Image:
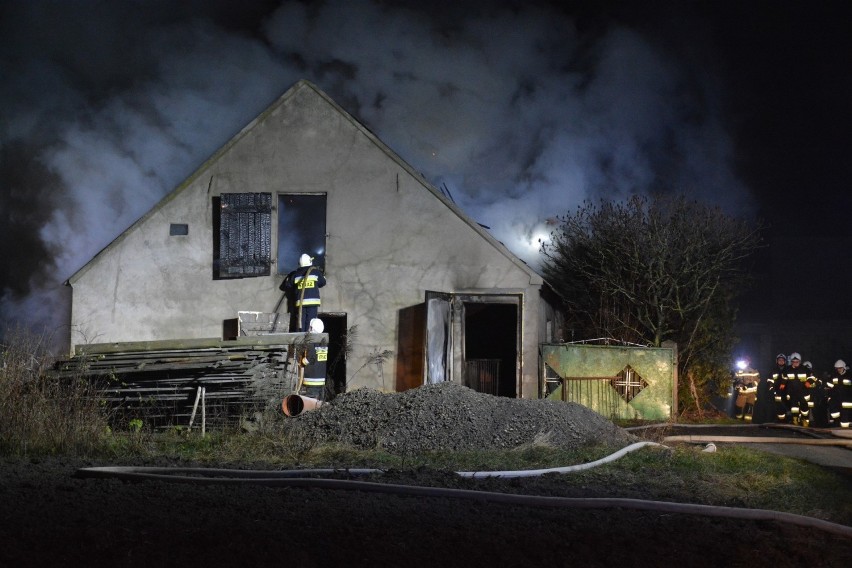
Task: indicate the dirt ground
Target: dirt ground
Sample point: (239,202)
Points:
(52,518)
(49,516)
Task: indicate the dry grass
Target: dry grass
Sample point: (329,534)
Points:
(40,414)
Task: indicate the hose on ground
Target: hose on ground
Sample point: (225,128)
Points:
(305,478)
(566,469)
(818,439)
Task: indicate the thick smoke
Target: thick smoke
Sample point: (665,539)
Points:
(520,115)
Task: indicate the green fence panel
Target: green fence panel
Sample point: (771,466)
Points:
(615,381)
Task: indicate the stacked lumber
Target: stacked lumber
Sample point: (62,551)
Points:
(160,383)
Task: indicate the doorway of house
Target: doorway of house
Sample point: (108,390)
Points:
(490,331)
(475,340)
(335,327)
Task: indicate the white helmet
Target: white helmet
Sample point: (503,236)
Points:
(840,364)
(305,260)
(808,365)
(316,326)
(794,356)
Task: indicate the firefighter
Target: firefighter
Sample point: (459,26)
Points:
(839,390)
(746,389)
(813,398)
(778,388)
(797,406)
(314,360)
(763,403)
(302,285)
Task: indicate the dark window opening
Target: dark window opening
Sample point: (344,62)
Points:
(244,231)
(178,229)
(301,229)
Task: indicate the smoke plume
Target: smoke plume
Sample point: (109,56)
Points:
(515,109)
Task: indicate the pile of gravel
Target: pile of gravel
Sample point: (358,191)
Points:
(448,416)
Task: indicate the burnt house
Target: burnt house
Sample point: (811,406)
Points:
(418,292)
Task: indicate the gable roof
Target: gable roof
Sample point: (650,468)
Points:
(535,278)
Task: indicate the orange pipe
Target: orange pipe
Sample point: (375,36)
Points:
(295,404)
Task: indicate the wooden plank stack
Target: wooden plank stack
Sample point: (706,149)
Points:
(159,382)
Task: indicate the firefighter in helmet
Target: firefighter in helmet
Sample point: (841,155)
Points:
(302,286)
(313,360)
(778,386)
(812,397)
(839,391)
(797,405)
(746,380)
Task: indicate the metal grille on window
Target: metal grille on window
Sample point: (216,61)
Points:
(245,240)
(628,383)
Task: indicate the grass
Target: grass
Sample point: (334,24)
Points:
(43,416)
(734,476)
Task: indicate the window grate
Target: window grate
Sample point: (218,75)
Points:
(628,383)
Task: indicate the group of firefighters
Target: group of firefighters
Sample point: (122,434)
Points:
(793,394)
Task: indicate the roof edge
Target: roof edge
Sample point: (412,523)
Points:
(192,177)
(535,278)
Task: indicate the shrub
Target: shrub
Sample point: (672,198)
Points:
(41,413)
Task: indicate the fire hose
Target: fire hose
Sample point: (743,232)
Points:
(306,478)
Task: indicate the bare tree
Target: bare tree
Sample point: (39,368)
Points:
(650,270)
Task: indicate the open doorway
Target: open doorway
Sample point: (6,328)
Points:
(335,326)
(491,346)
(473,339)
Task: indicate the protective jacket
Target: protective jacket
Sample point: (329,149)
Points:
(304,283)
(816,395)
(314,359)
(797,404)
(764,405)
(839,391)
(778,385)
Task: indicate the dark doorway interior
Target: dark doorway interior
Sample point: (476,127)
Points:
(335,327)
(491,341)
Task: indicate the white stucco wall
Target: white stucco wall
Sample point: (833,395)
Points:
(390,238)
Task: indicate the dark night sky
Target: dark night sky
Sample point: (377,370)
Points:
(789,73)
(523,109)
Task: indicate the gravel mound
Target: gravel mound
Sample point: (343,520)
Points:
(448,416)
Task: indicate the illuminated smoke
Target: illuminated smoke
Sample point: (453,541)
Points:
(520,115)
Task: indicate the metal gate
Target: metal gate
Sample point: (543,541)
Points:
(626,382)
(482,375)
(594,392)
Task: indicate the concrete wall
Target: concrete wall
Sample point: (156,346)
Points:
(390,238)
